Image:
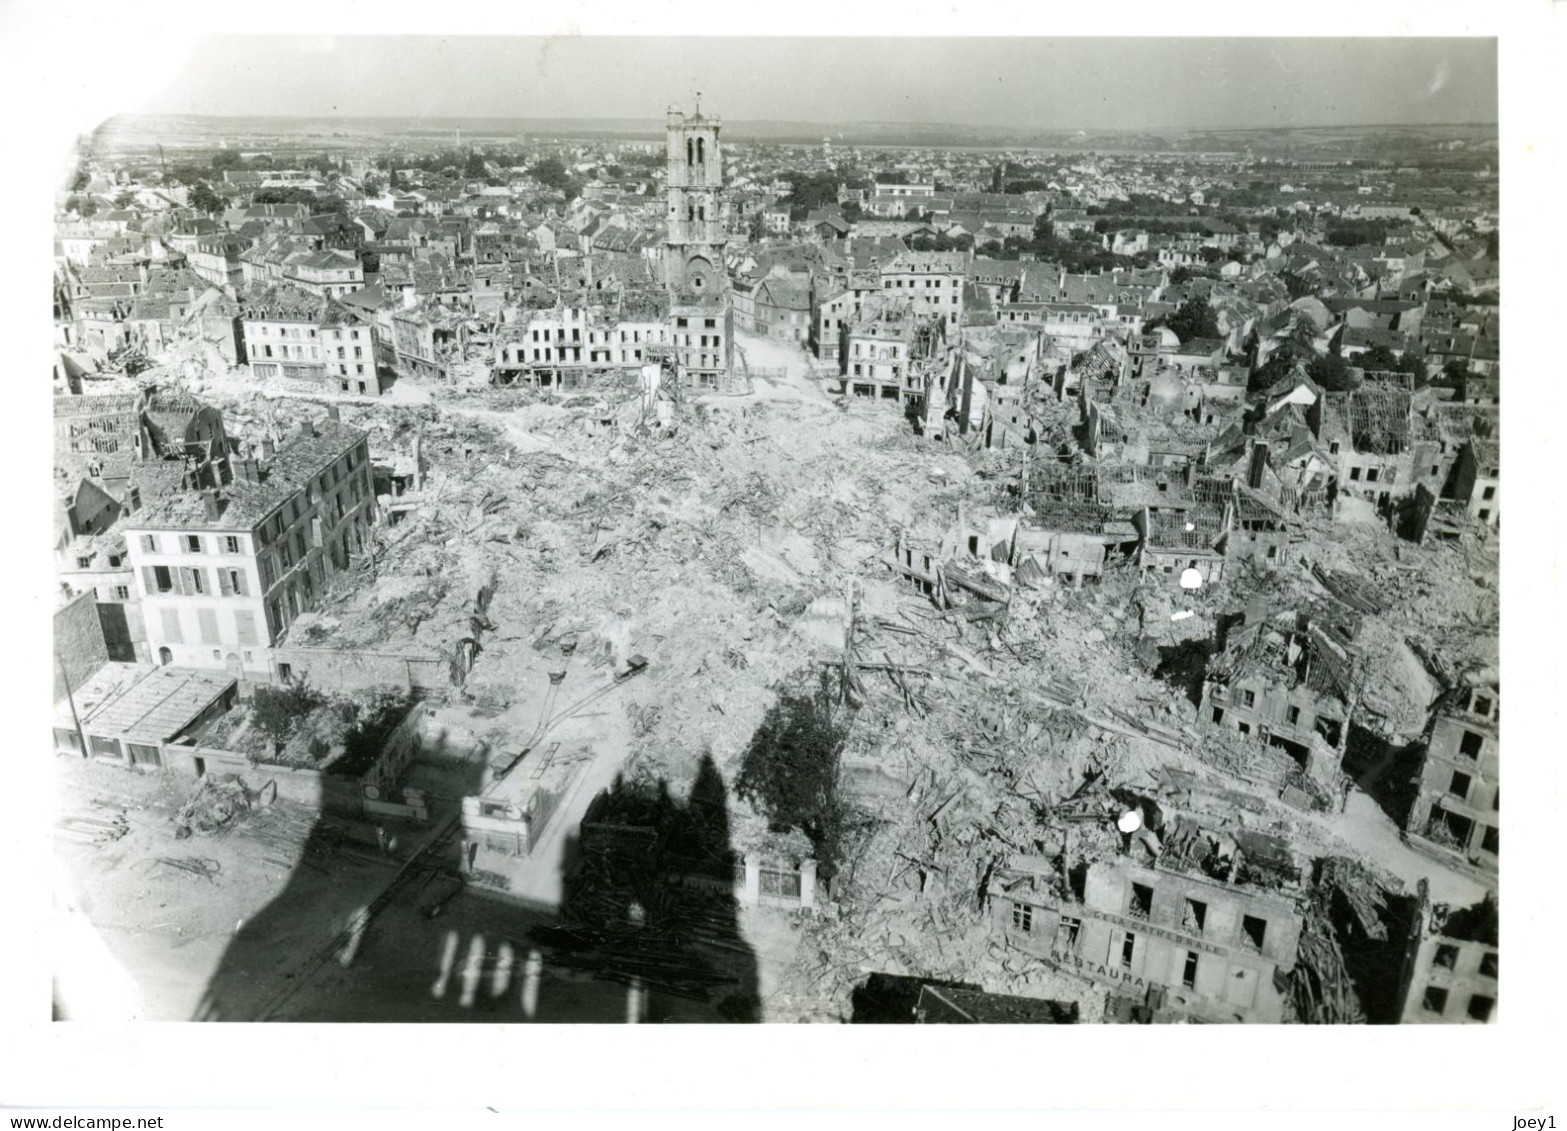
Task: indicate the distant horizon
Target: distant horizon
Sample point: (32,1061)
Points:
(657,120)
(1016,83)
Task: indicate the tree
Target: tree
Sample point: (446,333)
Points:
(277,711)
(1193,319)
(79,181)
(226,159)
(551,173)
(809,191)
(474,166)
(373,184)
(790,768)
(1332,373)
(203,199)
(1491,245)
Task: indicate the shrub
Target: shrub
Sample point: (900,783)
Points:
(277,711)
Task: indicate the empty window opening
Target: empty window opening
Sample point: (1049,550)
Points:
(1446,957)
(1196,917)
(1435,999)
(1471,744)
(1126,949)
(1459,786)
(1142,901)
(1253,931)
(1189,973)
(1070,930)
(1488,964)
(1491,841)
(1480,1007)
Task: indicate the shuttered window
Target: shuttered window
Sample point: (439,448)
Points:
(171,626)
(207,622)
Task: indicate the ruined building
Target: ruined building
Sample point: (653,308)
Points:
(1458,796)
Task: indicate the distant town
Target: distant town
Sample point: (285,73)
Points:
(666,572)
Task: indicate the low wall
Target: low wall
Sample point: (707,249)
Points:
(761,884)
(343,670)
(316,789)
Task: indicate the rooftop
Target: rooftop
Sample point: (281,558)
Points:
(154,708)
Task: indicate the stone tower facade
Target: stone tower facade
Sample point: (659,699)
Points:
(695,263)
(701,319)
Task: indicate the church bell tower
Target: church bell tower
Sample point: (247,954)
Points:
(694,263)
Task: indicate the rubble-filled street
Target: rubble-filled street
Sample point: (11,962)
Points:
(687,580)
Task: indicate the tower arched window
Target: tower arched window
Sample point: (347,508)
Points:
(701,151)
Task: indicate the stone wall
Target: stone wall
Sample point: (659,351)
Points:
(78,643)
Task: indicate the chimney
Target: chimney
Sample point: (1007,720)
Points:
(1258,465)
(212,504)
(268,447)
(332,413)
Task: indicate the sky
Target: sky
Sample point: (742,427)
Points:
(1025,82)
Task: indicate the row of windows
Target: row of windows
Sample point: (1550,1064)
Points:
(1071,930)
(193,581)
(173,630)
(193,543)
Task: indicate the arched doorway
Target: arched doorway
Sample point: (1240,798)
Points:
(165,657)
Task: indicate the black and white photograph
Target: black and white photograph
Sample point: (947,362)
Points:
(790,528)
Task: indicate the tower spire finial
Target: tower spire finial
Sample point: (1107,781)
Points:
(698,104)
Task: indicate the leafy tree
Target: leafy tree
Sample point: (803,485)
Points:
(551,173)
(278,711)
(1352,233)
(373,184)
(1212,254)
(790,768)
(474,166)
(285,196)
(810,190)
(79,181)
(1332,373)
(185,173)
(226,159)
(1194,318)
(203,199)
